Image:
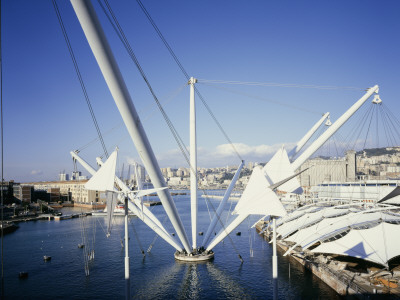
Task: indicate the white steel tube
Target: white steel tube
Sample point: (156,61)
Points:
(127,277)
(224,233)
(274,261)
(193,164)
(116,84)
(333,128)
(222,205)
(146,219)
(274,256)
(308,135)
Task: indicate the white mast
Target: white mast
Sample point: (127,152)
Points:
(308,135)
(104,180)
(274,261)
(113,77)
(193,163)
(333,128)
(127,279)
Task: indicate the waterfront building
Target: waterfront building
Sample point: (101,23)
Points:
(23,193)
(327,170)
(368,191)
(73,190)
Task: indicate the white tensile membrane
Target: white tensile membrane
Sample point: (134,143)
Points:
(280,168)
(104,178)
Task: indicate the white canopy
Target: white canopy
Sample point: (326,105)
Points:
(377,244)
(338,226)
(328,220)
(103,179)
(279,168)
(258,198)
(297,214)
(312,216)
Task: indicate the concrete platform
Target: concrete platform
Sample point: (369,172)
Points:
(199,257)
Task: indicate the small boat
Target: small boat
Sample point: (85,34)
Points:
(119,210)
(81,245)
(46,258)
(23,274)
(8,227)
(238,233)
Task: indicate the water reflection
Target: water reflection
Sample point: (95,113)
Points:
(231,287)
(159,286)
(191,281)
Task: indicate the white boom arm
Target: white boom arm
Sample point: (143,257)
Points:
(333,128)
(308,135)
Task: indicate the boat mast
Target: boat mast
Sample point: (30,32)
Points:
(333,128)
(116,84)
(193,163)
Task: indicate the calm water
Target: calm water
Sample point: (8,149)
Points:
(158,275)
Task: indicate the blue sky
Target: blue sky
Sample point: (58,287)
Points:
(335,43)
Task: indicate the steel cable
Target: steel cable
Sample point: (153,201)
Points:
(78,73)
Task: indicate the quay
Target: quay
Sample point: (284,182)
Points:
(46,217)
(220,195)
(334,273)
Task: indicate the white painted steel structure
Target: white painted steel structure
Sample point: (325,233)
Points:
(193,164)
(104,180)
(274,261)
(308,135)
(113,77)
(256,199)
(221,206)
(148,218)
(333,128)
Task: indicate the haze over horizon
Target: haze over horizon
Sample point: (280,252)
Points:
(338,44)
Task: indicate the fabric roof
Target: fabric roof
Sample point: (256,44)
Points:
(344,223)
(377,244)
(280,168)
(302,234)
(312,216)
(103,179)
(258,198)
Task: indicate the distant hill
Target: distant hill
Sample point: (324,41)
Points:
(379,151)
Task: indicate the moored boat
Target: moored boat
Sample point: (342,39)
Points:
(8,227)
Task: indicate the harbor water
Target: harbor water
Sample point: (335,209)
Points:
(155,276)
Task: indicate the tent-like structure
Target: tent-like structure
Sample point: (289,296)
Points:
(378,244)
(370,234)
